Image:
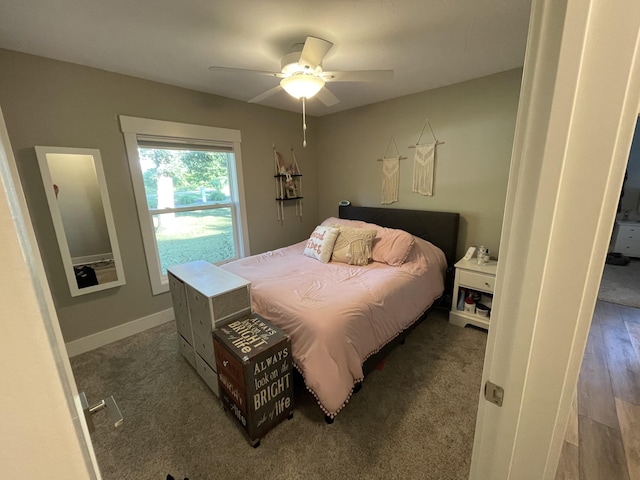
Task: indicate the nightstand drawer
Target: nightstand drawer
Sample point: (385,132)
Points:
(477,281)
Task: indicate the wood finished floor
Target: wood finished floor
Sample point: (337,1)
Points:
(603,436)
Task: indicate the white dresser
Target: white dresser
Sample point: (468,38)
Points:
(204,297)
(626,239)
(479,278)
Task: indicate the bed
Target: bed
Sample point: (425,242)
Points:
(342,317)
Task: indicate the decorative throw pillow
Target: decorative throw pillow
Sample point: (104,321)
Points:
(353,246)
(391,246)
(320,244)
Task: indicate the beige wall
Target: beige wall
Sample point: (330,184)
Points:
(475,119)
(46,102)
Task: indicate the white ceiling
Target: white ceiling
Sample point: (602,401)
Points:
(428,43)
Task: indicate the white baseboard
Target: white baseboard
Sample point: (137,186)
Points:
(91,342)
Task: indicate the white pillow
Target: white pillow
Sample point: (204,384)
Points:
(320,244)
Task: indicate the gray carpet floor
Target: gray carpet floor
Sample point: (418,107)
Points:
(413,419)
(621,284)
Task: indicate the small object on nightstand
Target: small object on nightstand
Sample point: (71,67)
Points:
(483,256)
(470,252)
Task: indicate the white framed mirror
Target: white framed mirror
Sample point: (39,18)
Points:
(78,199)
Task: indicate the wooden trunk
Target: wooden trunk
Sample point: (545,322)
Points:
(254,364)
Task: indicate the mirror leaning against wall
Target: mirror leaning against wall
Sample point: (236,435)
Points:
(76,190)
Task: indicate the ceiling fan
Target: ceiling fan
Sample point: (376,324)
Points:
(303,77)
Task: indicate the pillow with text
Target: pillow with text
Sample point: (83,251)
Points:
(320,243)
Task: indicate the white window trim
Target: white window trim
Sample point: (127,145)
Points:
(131,127)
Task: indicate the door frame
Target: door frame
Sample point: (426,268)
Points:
(576,118)
(41,415)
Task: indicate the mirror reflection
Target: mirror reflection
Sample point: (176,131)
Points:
(81,213)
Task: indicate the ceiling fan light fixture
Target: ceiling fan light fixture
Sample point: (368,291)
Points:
(302,86)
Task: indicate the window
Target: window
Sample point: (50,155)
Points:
(187,181)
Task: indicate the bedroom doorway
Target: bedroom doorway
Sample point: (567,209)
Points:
(608,384)
(621,277)
(561,203)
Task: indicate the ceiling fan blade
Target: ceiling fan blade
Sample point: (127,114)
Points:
(359,76)
(244,70)
(265,95)
(326,97)
(314,51)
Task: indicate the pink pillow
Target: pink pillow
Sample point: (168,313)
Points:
(320,244)
(391,246)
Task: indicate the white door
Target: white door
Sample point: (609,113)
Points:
(42,425)
(579,103)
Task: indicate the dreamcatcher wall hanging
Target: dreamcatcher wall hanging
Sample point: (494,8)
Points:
(390,174)
(424,163)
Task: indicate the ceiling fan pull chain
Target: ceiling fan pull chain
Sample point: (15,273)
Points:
(304,124)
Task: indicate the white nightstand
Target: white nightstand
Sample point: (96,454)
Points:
(481,278)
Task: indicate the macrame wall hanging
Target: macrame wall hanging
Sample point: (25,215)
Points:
(390,174)
(424,163)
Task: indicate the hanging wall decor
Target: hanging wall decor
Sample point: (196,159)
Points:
(288,181)
(424,163)
(390,174)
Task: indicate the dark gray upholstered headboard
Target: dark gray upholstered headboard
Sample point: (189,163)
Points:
(439,228)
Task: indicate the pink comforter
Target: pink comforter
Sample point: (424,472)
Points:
(337,315)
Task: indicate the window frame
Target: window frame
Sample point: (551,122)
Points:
(173,132)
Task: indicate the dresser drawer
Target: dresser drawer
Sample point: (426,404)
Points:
(208,313)
(628,230)
(235,391)
(187,351)
(625,243)
(208,375)
(200,311)
(180,309)
(228,364)
(204,347)
(229,304)
(477,281)
(183,325)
